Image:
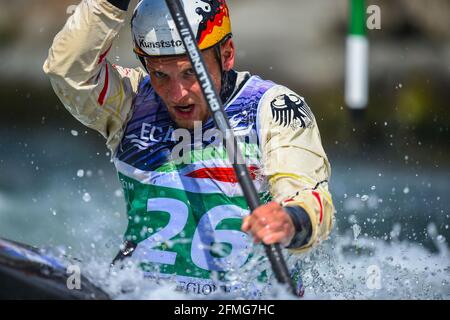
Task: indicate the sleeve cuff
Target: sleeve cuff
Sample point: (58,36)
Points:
(121,4)
(302,224)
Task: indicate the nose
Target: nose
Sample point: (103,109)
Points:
(177,91)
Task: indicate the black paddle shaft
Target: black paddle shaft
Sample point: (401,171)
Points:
(215,105)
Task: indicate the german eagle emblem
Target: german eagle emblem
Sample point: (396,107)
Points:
(290,108)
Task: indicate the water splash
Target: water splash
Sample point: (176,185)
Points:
(341,268)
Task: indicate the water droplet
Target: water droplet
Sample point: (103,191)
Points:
(373,188)
(356,231)
(80,173)
(406,190)
(86,197)
(364,197)
(74,132)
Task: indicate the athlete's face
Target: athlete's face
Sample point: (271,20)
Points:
(174,80)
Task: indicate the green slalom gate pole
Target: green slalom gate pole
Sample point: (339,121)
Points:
(357,57)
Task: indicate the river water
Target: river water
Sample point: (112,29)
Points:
(59,190)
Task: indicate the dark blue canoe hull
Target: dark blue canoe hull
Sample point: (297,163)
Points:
(26,273)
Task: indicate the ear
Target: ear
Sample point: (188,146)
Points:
(227,51)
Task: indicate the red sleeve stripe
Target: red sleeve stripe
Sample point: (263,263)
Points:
(101,97)
(103,55)
(316,194)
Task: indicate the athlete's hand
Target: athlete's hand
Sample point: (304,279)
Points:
(270,224)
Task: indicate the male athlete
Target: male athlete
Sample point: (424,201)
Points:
(188,218)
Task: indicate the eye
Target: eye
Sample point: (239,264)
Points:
(159,75)
(190,72)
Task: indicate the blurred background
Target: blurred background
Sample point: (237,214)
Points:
(390,164)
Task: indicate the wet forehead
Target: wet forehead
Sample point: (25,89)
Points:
(167,62)
(176,61)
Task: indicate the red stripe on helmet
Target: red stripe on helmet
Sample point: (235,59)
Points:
(217,22)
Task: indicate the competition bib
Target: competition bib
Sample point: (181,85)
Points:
(186,233)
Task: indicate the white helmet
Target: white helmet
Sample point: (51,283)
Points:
(155,34)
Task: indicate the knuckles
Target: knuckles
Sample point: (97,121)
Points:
(269,220)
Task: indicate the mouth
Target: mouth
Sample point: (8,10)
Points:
(185,111)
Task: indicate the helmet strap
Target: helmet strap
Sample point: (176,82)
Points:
(223,74)
(143,62)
